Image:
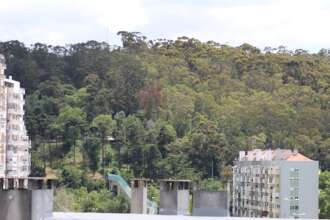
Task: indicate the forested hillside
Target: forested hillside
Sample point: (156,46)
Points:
(164,108)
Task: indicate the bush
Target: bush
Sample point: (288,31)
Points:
(64,200)
(211,185)
(100,201)
(81,200)
(94,184)
(71,177)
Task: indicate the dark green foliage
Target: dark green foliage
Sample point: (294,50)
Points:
(71,177)
(83,200)
(167,134)
(101,201)
(92,147)
(126,77)
(325,195)
(211,185)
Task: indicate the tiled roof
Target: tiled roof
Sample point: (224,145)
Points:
(268,155)
(298,157)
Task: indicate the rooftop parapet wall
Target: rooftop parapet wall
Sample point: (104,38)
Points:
(210,203)
(271,155)
(30,183)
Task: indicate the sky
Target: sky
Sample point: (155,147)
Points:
(293,23)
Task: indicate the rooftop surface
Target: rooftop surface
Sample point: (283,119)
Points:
(174,180)
(298,157)
(268,155)
(107,216)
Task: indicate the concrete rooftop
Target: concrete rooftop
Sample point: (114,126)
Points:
(107,216)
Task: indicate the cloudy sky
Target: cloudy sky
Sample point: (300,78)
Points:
(293,23)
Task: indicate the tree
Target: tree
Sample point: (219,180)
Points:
(135,153)
(103,125)
(167,134)
(87,58)
(207,145)
(119,135)
(126,78)
(325,195)
(92,149)
(71,177)
(179,102)
(72,123)
(132,41)
(150,99)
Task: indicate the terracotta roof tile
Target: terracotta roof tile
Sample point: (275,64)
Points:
(298,157)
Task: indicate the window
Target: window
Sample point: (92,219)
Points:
(8,84)
(294,191)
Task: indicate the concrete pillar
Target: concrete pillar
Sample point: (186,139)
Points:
(174,197)
(42,204)
(139,196)
(15,204)
(26,199)
(210,203)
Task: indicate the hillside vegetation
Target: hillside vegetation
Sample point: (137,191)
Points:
(164,108)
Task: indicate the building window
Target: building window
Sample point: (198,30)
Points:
(294,192)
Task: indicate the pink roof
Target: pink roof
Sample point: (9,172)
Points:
(298,157)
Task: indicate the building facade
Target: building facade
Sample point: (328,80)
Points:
(14,142)
(275,183)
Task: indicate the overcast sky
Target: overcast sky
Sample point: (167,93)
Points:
(293,23)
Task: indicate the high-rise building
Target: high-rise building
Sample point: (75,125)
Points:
(14,142)
(275,183)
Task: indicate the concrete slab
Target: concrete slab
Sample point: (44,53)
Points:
(108,216)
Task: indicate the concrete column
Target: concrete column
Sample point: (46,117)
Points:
(15,204)
(174,197)
(42,204)
(139,196)
(26,199)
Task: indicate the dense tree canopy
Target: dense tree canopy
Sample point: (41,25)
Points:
(169,108)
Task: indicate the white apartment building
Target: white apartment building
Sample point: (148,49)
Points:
(276,184)
(14,142)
